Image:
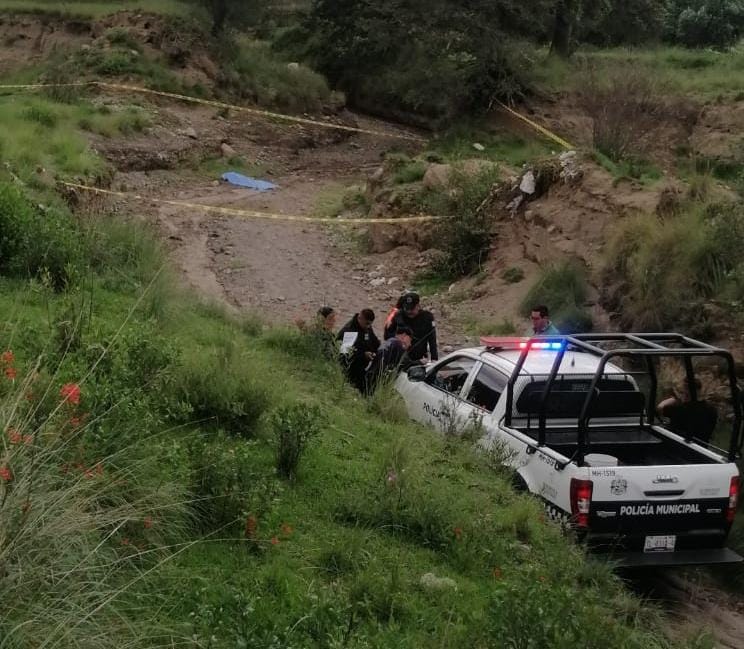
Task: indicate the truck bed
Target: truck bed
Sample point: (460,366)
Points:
(631,445)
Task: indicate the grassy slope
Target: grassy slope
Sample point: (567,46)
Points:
(95,8)
(705,74)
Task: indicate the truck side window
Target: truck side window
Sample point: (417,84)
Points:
(451,376)
(487,388)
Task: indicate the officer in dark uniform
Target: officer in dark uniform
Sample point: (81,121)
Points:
(358,358)
(421,323)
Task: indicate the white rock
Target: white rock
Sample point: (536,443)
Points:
(293,66)
(528,185)
(377,282)
(227,151)
(190,132)
(393,280)
(478,146)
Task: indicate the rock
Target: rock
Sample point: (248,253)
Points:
(191,133)
(227,151)
(451,288)
(437,176)
(373,274)
(528,185)
(430,581)
(478,146)
(293,66)
(281,298)
(393,280)
(447,349)
(377,282)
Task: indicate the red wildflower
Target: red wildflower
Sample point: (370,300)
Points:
(251,524)
(7,357)
(5,473)
(147,522)
(496,573)
(287,529)
(458,533)
(274,540)
(75,421)
(70,392)
(11,373)
(14,436)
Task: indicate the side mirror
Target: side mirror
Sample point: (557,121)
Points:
(417,373)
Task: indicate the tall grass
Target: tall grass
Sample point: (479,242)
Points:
(661,273)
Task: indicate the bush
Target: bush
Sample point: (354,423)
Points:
(222,391)
(513,275)
(36,241)
(628,22)
(659,274)
(466,237)
(294,427)
(563,289)
(705,23)
(254,72)
(624,106)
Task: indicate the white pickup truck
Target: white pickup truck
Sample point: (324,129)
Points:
(582,434)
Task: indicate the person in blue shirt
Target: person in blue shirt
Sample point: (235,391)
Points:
(541,324)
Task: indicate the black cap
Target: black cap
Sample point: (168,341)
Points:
(409,301)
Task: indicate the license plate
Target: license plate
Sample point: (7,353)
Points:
(660,544)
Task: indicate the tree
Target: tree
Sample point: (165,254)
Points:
(705,23)
(433,58)
(565,18)
(630,22)
(223,12)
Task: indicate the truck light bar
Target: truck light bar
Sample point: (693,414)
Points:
(506,342)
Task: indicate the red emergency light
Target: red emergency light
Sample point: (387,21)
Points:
(514,342)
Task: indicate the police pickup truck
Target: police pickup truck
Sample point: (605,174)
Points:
(575,417)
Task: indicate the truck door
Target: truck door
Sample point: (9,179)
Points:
(438,400)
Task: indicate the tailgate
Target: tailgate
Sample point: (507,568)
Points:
(630,505)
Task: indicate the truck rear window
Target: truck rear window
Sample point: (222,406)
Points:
(614,398)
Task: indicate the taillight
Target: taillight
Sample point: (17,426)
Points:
(733,498)
(581,501)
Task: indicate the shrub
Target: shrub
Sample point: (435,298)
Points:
(659,274)
(513,275)
(36,241)
(294,427)
(624,106)
(466,237)
(222,391)
(254,72)
(563,289)
(410,173)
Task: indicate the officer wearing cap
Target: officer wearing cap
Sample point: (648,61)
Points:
(420,322)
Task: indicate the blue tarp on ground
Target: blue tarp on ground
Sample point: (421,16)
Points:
(240,180)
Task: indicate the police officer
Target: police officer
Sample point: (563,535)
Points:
(362,353)
(421,323)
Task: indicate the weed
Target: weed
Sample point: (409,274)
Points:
(294,427)
(513,275)
(411,172)
(122,37)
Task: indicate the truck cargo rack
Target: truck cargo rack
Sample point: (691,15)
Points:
(645,347)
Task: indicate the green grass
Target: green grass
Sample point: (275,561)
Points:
(96,8)
(500,146)
(643,171)
(706,74)
(40,134)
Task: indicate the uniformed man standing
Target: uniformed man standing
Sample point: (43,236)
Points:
(358,357)
(421,323)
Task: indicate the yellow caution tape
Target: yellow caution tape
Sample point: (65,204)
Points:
(215,104)
(253,214)
(537,127)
